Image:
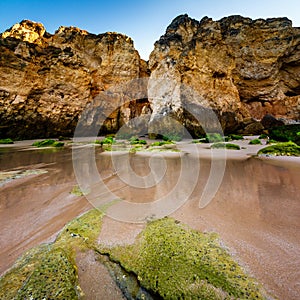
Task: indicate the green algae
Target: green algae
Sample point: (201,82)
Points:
(77,191)
(49,271)
(286,133)
(210,138)
(8,176)
(108,140)
(168,259)
(6,141)
(135,145)
(136,141)
(81,232)
(235,137)
(45,272)
(48,143)
(255,142)
(227,146)
(172,137)
(263,136)
(281,149)
(161,143)
(176,262)
(54,278)
(214,138)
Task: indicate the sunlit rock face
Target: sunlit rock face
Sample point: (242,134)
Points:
(241,68)
(236,69)
(48,80)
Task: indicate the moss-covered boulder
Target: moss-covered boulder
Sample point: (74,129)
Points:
(48,143)
(49,271)
(45,272)
(235,137)
(6,141)
(228,146)
(255,142)
(82,232)
(286,133)
(176,262)
(281,149)
(161,143)
(167,260)
(136,141)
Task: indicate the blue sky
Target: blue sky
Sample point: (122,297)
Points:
(144,21)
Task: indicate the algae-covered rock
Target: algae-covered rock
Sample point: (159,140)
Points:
(234,137)
(286,133)
(255,142)
(176,262)
(49,271)
(169,260)
(281,149)
(6,141)
(45,272)
(48,143)
(81,232)
(228,146)
(7,176)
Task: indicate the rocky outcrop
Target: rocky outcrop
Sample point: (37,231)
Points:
(236,68)
(48,80)
(240,68)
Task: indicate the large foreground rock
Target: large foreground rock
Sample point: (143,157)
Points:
(241,68)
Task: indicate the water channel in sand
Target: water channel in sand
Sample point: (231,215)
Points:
(256,210)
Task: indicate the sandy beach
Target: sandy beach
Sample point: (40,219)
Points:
(255,210)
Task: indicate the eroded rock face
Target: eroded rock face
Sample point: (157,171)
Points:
(241,68)
(47,80)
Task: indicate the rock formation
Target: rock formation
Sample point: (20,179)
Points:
(47,80)
(241,68)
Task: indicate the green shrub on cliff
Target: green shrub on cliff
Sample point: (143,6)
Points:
(281,149)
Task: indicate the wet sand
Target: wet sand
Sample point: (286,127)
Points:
(34,208)
(256,213)
(256,210)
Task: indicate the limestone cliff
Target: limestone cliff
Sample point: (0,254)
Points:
(47,80)
(241,68)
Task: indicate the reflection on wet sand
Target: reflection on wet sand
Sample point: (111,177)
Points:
(34,208)
(256,210)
